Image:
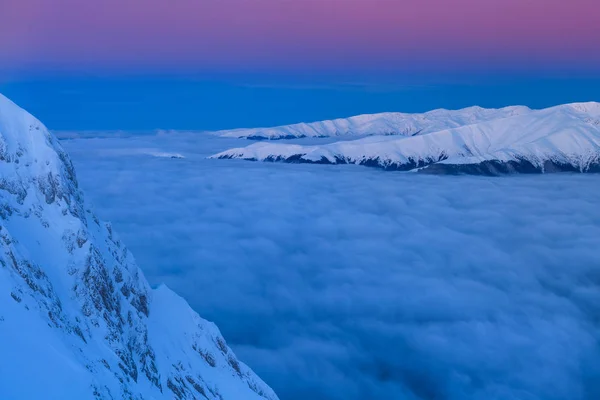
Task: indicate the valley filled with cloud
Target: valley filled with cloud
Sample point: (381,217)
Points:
(343,282)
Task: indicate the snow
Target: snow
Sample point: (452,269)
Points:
(78,319)
(563,137)
(379,124)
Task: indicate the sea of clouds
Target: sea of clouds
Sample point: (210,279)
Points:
(348,283)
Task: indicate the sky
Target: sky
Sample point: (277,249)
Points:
(264,62)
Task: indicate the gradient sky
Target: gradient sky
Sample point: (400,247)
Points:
(296,44)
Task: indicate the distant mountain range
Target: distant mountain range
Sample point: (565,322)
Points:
(472,141)
(379,124)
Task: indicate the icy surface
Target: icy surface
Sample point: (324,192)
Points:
(562,138)
(348,283)
(78,319)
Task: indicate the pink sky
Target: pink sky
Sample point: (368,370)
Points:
(296,34)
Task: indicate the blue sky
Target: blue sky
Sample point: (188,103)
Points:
(111,102)
(126,65)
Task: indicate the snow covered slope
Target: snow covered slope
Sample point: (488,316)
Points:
(77,318)
(379,124)
(562,138)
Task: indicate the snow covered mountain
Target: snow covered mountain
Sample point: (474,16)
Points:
(78,320)
(379,124)
(561,138)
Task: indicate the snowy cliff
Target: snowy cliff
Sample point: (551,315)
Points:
(561,138)
(77,318)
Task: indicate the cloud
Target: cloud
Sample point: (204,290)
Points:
(341,282)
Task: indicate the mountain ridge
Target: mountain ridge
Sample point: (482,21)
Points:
(560,138)
(386,123)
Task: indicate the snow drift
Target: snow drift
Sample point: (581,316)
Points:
(561,138)
(78,320)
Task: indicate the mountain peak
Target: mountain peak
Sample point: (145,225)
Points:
(74,300)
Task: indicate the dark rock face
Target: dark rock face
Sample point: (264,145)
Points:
(368,162)
(433,166)
(497,168)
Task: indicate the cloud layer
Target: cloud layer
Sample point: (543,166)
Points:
(340,282)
